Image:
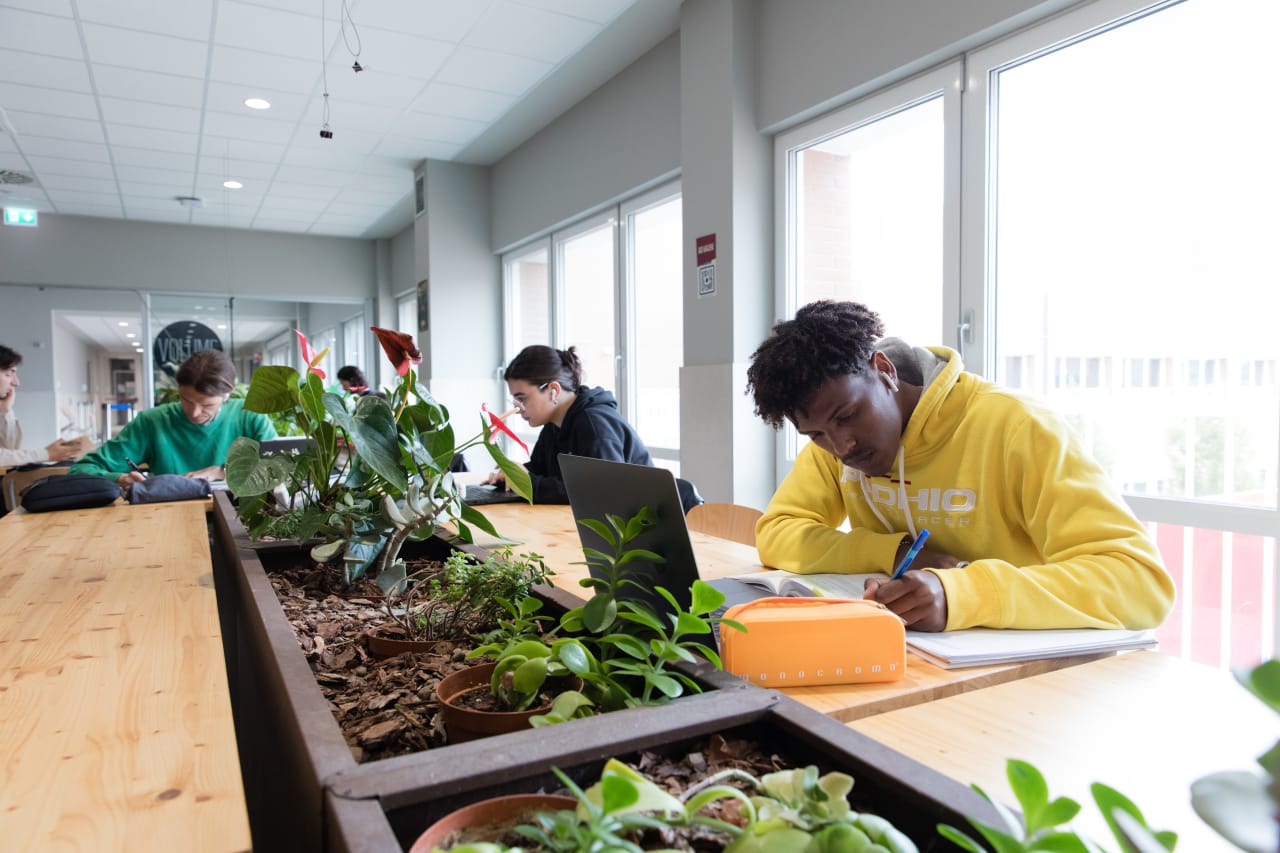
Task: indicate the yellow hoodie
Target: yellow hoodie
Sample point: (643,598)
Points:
(999,480)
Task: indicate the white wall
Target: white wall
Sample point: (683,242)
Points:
(90,252)
(817,54)
(624,136)
(27,325)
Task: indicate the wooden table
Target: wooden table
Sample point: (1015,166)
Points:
(549,530)
(1143,723)
(115,720)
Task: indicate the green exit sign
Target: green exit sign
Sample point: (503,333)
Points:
(21,216)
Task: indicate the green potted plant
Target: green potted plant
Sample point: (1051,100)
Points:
(453,600)
(375,472)
(1042,825)
(789,810)
(1241,806)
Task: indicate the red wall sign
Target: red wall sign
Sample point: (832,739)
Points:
(706,249)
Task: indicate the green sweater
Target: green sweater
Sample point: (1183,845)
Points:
(168,443)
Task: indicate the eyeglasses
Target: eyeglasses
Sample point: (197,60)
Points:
(520,400)
(195,406)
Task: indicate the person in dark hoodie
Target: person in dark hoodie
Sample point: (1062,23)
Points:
(546,386)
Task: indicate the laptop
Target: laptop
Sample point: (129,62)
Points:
(599,487)
(288,444)
(476,495)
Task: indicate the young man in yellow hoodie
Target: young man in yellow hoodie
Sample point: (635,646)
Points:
(1026,530)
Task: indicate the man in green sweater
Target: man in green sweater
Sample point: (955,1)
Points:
(190,437)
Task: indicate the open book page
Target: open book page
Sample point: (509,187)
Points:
(827,585)
(986,646)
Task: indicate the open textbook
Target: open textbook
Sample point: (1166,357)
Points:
(949,649)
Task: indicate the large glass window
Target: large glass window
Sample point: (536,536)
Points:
(610,285)
(1112,215)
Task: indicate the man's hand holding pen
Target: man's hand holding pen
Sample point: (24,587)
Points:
(917,597)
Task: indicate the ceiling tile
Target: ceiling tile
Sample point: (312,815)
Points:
(230,97)
(189,18)
(176,215)
(37,124)
(272,31)
(495,72)
(302,187)
(238,149)
(446,20)
(253,128)
(438,128)
(534,33)
(143,114)
(340,208)
(354,195)
(249,68)
(15,96)
(61,8)
(352,115)
(418,149)
(65,197)
(447,99)
(150,201)
(71,75)
(214,165)
(48,166)
(398,53)
(72,150)
(147,86)
(49,35)
(28,196)
(145,51)
(176,182)
(53,183)
(599,11)
(397,184)
(371,87)
(126,156)
(149,137)
(345,152)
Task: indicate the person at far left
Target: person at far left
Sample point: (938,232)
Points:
(190,437)
(11,452)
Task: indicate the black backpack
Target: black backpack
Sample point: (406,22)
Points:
(69,491)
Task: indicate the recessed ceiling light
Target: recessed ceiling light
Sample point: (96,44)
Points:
(233,185)
(130,335)
(257,103)
(122,323)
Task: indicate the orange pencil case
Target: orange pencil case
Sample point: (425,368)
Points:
(801,642)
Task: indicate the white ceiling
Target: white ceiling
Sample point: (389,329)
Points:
(117,107)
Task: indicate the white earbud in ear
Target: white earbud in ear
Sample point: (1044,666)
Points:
(890,381)
(555,399)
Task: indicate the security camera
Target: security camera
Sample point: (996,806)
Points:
(326,133)
(357,67)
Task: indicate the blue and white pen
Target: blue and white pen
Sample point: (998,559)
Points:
(910,555)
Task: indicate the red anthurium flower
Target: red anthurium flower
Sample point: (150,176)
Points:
(399,347)
(309,356)
(496,420)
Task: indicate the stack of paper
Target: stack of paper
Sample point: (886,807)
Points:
(987,646)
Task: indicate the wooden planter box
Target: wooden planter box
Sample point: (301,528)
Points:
(385,809)
(291,747)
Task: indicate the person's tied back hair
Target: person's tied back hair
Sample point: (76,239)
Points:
(539,364)
(209,371)
(826,339)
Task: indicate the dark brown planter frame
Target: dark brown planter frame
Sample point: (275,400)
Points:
(291,748)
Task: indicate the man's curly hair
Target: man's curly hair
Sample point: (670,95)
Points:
(826,339)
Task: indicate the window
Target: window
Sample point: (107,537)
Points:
(326,340)
(353,343)
(610,286)
(407,314)
(1115,202)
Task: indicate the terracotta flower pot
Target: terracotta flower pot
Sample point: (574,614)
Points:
(384,645)
(497,812)
(463,723)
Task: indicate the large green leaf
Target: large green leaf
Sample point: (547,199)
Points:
(337,410)
(517,475)
(373,429)
(248,474)
(274,389)
(311,398)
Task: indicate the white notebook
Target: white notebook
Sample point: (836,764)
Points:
(952,649)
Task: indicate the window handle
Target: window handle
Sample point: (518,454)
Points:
(964,332)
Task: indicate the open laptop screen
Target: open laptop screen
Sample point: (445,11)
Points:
(599,487)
